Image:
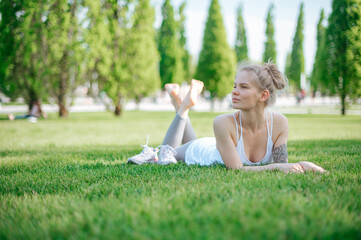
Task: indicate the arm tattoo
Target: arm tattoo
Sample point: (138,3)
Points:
(280,154)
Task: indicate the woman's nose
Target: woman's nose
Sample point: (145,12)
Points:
(235,92)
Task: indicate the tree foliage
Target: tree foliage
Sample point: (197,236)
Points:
(344,49)
(142,51)
(241,48)
(21,50)
(170,65)
(216,65)
(185,56)
(270,44)
(320,75)
(297,64)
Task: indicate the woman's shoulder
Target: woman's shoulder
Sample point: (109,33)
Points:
(280,124)
(279,118)
(224,118)
(224,121)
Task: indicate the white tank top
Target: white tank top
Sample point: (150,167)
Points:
(267,159)
(203,151)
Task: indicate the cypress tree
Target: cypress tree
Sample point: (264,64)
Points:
(170,65)
(270,44)
(216,65)
(344,49)
(318,77)
(185,56)
(297,65)
(241,48)
(143,53)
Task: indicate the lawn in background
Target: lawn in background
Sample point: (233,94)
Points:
(68,179)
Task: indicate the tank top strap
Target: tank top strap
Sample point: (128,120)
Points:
(271,115)
(268,132)
(235,119)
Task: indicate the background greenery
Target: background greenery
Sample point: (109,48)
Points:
(68,179)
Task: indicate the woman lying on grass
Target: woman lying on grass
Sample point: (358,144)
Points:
(252,139)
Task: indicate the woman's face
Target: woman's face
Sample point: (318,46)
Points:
(245,94)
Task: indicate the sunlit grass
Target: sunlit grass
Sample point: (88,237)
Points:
(68,179)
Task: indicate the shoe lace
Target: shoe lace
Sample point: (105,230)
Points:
(166,148)
(146,149)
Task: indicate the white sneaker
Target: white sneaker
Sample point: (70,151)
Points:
(166,155)
(148,155)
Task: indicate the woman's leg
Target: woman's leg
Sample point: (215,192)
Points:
(181,130)
(181,151)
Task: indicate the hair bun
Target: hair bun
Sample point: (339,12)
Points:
(279,80)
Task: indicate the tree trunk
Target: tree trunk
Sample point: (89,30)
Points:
(343,104)
(343,96)
(118,110)
(63,112)
(118,107)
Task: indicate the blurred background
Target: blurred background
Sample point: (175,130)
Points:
(82,56)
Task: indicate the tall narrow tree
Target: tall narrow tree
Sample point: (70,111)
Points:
(170,65)
(344,48)
(216,66)
(319,75)
(240,47)
(142,52)
(185,56)
(270,44)
(297,65)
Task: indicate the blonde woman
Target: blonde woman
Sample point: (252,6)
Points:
(253,138)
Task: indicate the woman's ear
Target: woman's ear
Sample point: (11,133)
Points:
(264,95)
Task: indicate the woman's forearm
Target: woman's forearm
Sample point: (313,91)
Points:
(261,168)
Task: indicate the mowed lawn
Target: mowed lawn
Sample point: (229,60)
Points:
(68,179)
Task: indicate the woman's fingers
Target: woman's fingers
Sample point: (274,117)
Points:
(308,166)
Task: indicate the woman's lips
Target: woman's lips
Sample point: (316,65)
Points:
(235,100)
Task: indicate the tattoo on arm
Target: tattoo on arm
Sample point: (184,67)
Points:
(280,154)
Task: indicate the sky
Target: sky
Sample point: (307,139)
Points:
(254,15)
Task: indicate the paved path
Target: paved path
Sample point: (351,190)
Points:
(284,104)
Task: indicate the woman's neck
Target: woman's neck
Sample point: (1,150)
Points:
(253,119)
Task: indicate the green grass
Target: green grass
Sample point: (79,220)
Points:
(67,179)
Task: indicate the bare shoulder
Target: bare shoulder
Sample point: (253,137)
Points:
(280,122)
(225,127)
(223,121)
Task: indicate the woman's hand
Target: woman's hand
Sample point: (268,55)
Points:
(308,166)
(288,167)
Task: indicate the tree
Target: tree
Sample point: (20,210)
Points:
(97,40)
(344,48)
(143,53)
(185,56)
(170,65)
(216,65)
(117,83)
(319,76)
(270,44)
(22,50)
(241,48)
(297,64)
(64,53)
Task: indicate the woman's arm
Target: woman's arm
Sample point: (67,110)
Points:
(223,128)
(280,153)
(225,145)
